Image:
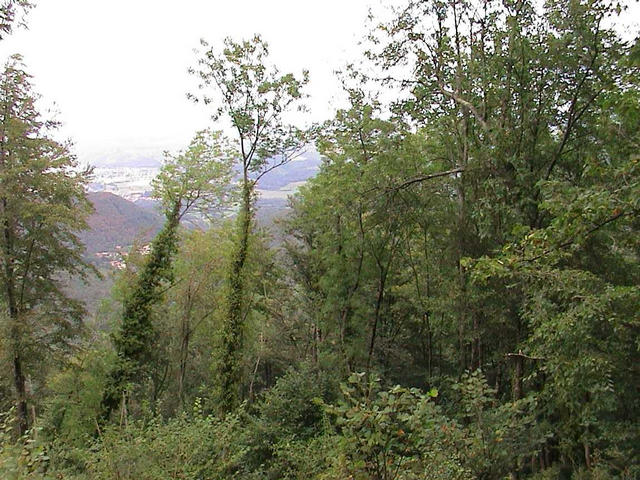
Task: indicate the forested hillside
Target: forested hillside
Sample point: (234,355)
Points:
(454,295)
(116,222)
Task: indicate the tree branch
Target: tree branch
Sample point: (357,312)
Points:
(465,103)
(572,240)
(522,355)
(424,178)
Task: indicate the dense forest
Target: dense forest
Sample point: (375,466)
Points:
(455,295)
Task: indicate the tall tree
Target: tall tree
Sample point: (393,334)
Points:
(42,206)
(197,177)
(254,97)
(520,95)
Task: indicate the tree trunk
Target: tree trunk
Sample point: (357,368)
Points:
(587,454)
(462,281)
(376,316)
(517,379)
(133,343)
(184,353)
(19,381)
(21,395)
(476,353)
(314,345)
(233,337)
(427,318)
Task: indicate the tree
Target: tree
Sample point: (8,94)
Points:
(192,312)
(198,178)
(517,215)
(525,99)
(10,14)
(254,97)
(362,247)
(195,178)
(42,206)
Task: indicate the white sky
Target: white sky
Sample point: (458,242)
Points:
(117,70)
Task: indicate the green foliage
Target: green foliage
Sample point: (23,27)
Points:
(292,405)
(43,205)
(188,320)
(24,458)
(133,338)
(393,434)
(254,97)
(185,447)
(496,438)
(199,178)
(289,423)
(475,239)
(72,409)
(202,172)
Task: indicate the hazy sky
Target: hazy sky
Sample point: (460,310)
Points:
(117,70)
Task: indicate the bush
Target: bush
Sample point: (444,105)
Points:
(23,458)
(195,447)
(395,434)
(288,427)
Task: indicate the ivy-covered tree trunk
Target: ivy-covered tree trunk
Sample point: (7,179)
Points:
(233,335)
(133,340)
(254,96)
(195,176)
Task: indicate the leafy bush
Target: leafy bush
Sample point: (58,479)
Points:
(392,435)
(184,447)
(286,436)
(23,458)
(497,438)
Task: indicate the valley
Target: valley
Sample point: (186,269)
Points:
(126,213)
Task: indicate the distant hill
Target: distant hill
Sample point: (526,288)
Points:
(144,156)
(298,170)
(117,222)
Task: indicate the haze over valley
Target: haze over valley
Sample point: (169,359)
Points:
(125,211)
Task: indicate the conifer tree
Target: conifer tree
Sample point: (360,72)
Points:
(42,206)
